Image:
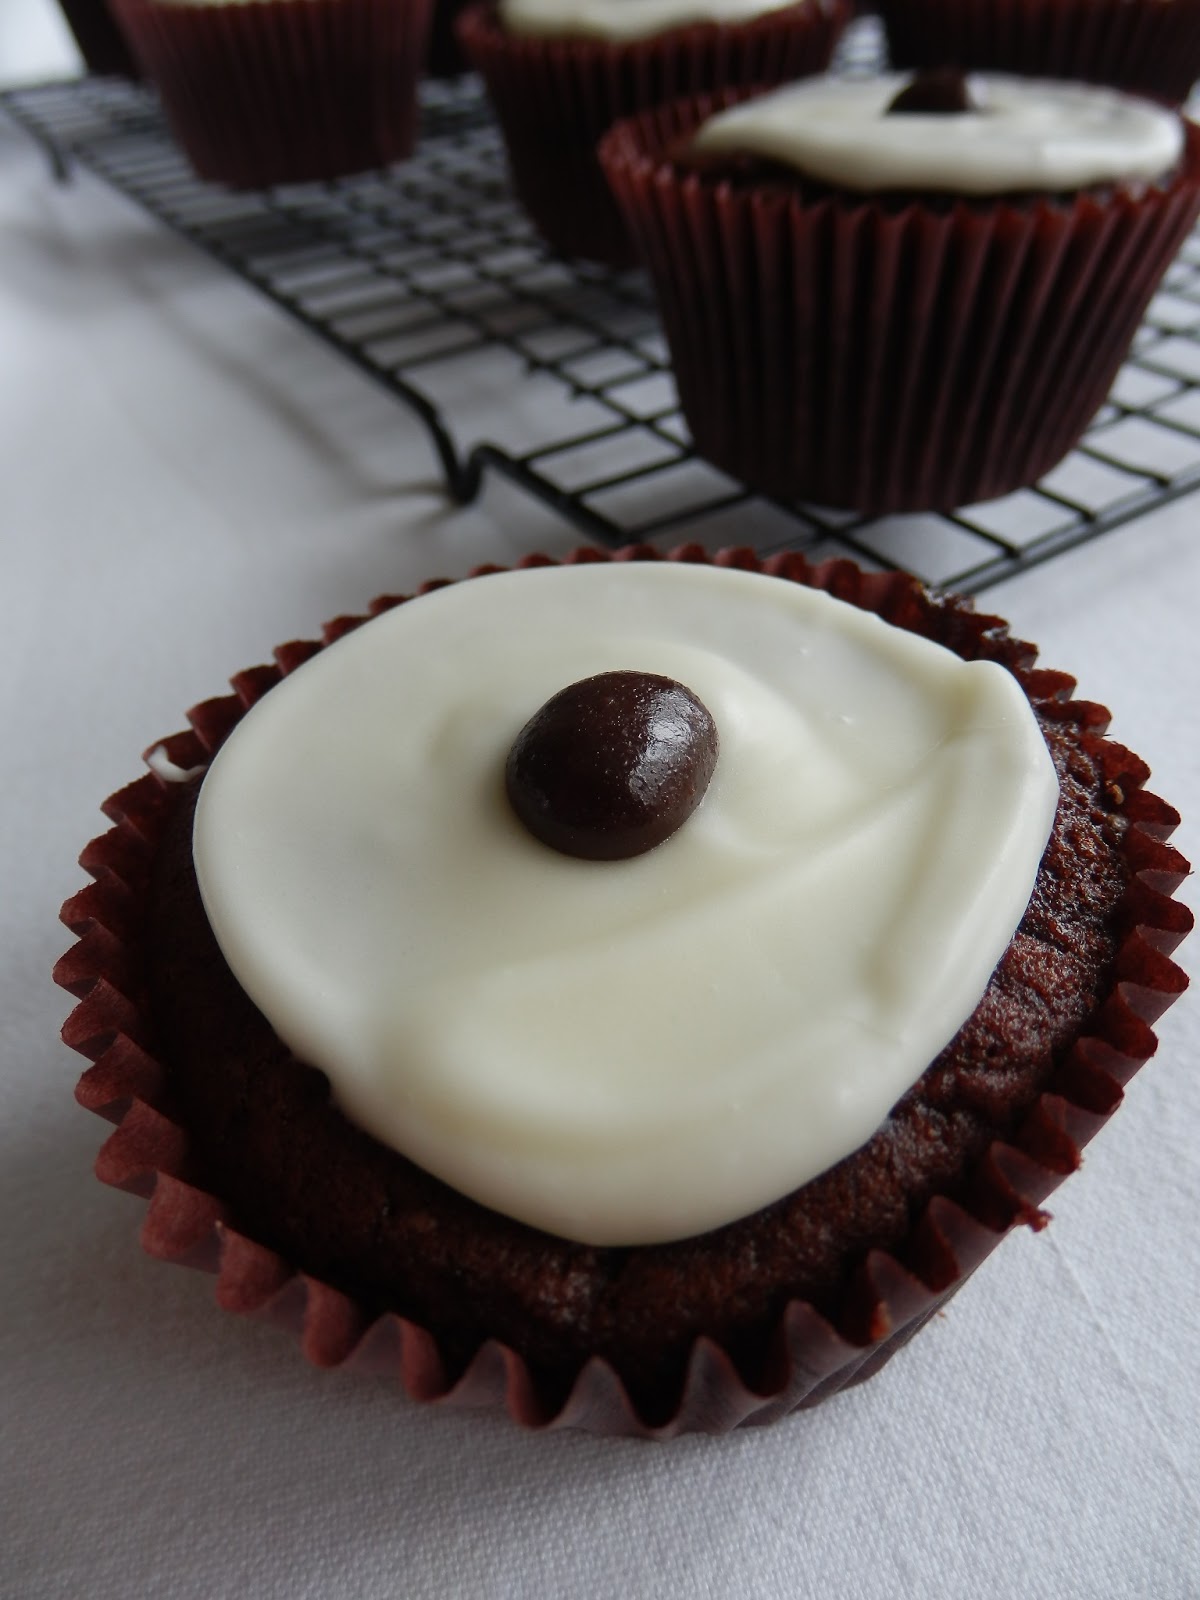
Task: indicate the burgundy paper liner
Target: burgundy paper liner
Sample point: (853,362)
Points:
(284,91)
(883,359)
(891,1295)
(1149,47)
(101,43)
(554,98)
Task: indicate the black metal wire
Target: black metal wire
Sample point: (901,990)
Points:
(410,272)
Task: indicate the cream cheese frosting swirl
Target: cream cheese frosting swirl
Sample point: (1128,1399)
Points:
(619,21)
(1026,135)
(625,1052)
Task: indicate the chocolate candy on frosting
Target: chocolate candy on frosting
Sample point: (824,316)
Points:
(613,765)
(940,91)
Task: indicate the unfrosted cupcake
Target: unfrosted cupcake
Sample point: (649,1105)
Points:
(638,1142)
(559,73)
(262,92)
(1149,47)
(901,296)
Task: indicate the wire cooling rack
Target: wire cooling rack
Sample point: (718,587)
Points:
(429,279)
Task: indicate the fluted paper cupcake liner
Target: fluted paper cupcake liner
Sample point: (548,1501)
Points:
(284,91)
(555,97)
(810,1356)
(1149,47)
(880,357)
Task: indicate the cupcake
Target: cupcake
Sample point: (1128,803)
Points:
(893,296)
(667,1100)
(1148,47)
(262,92)
(100,41)
(559,73)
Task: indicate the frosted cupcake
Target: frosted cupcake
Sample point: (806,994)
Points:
(559,73)
(655,1102)
(899,296)
(262,92)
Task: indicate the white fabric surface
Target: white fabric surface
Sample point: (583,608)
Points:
(185,480)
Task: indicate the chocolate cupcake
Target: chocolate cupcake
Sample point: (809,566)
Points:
(1148,47)
(866,303)
(670,1141)
(266,92)
(559,74)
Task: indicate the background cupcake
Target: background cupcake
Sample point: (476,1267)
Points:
(315,1223)
(1149,47)
(883,297)
(558,75)
(283,91)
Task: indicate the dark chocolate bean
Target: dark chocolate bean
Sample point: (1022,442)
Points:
(612,765)
(939,90)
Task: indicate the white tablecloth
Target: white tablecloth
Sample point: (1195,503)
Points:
(186,480)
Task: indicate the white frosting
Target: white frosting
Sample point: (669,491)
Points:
(625,1052)
(621,20)
(1029,135)
(169,771)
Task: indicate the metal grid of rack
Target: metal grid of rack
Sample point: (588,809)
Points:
(429,279)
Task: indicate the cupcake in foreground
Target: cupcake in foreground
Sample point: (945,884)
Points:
(559,73)
(263,92)
(1149,47)
(664,1100)
(894,295)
